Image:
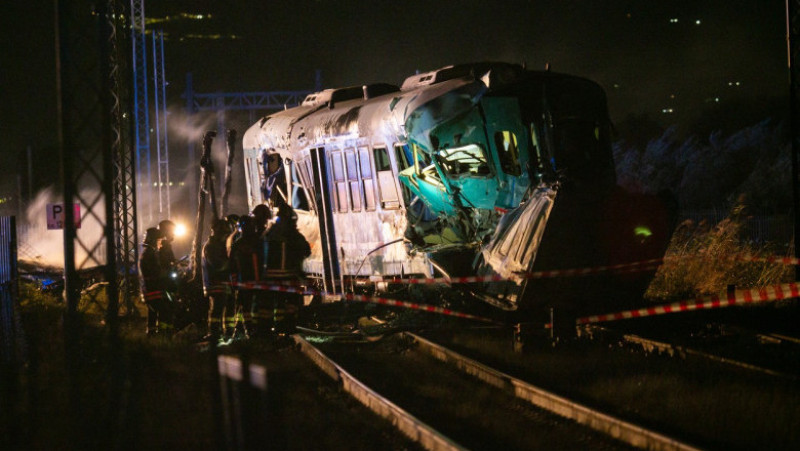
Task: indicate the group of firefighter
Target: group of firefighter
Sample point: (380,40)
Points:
(253,248)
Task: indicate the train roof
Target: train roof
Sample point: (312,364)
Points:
(377,110)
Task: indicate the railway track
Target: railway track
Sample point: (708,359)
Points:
(444,400)
(708,403)
(770,354)
(755,339)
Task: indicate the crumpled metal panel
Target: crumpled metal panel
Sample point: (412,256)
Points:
(512,249)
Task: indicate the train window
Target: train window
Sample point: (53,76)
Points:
(298,188)
(382,162)
(537,163)
(352,179)
(386,179)
(506,143)
(463,160)
(340,185)
(304,171)
(366,178)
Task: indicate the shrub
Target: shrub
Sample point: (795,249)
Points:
(700,260)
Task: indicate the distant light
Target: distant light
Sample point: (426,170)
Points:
(672,96)
(642,232)
(616,86)
(716,99)
(674,20)
(697,22)
(180,230)
(667,111)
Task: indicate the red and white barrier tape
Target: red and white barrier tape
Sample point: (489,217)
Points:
(623,268)
(363,298)
(738,297)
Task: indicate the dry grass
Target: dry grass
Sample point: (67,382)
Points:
(701,260)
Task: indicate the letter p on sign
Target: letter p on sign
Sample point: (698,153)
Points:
(55,216)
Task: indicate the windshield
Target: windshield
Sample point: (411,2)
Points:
(463,160)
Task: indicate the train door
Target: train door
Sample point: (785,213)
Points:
(323,195)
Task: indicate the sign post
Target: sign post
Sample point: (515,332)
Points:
(55,216)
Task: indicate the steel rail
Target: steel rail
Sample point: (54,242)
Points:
(406,423)
(649,345)
(611,426)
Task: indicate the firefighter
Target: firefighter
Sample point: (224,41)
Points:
(233,222)
(216,271)
(245,262)
(286,250)
(166,256)
(261,214)
(153,293)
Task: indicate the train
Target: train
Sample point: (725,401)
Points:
(484,169)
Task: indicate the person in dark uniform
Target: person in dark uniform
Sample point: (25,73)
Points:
(286,248)
(245,262)
(274,177)
(233,222)
(261,215)
(153,293)
(216,273)
(166,256)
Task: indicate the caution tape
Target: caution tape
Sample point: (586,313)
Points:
(622,268)
(363,298)
(738,297)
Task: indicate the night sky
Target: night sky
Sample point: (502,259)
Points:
(671,60)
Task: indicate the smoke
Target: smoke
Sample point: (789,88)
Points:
(186,130)
(45,247)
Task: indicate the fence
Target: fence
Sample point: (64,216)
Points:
(12,341)
(10,329)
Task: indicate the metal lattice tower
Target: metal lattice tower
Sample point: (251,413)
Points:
(90,130)
(141,111)
(162,150)
(124,184)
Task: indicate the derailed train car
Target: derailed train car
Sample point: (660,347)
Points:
(477,169)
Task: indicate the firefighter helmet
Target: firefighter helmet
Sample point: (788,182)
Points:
(152,235)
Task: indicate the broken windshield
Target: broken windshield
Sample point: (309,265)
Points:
(466,160)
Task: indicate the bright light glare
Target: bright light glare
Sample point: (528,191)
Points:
(180,230)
